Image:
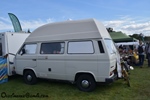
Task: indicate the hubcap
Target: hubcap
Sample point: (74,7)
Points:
(29,77)
(85,83)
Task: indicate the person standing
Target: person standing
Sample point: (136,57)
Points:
(141,54)
(146,47)
(148,53)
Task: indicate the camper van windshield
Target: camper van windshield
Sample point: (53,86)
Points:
(110,45)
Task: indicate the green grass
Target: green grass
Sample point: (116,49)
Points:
(139,90)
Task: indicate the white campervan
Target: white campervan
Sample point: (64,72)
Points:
(79,51)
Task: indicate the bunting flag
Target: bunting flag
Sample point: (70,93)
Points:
(3,70)
(15,22)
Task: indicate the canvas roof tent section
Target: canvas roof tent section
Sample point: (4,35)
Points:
(78,29)
(120,37)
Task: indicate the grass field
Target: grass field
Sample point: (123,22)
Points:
(53,90)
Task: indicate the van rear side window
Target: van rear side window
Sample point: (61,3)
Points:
(83,47)
(101,47)
(52,48)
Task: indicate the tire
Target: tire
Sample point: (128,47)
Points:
(86,83)
(29,77)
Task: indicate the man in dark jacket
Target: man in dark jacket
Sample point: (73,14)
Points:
(141,54)
(147,50)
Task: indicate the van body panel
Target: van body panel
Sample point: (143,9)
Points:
(80,63)
(51,66)
(103,68)
(25,61)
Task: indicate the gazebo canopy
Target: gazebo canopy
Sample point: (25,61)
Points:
(121,37)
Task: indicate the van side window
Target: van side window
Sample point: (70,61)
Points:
(84,47)
(28,49)
(52,48)
(101,47)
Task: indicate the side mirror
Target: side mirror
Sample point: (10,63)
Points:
(23,51)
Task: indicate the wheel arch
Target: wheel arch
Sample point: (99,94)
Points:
(26,69)
(83,73)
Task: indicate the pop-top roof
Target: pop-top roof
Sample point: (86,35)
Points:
(80,29)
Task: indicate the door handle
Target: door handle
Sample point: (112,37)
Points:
(34,59)
(49,69)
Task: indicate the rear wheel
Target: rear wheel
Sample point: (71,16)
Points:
(86,83)
(29,77)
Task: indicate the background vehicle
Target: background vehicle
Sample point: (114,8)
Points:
(10,43)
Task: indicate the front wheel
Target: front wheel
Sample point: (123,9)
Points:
(86,83)
(29,77)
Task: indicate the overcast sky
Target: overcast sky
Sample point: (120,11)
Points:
(128,16)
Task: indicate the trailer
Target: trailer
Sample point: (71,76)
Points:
(10,42)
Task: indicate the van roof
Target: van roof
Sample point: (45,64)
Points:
(68,30)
